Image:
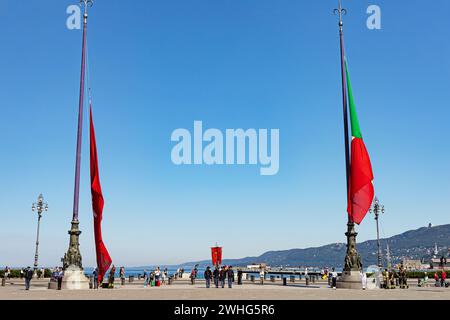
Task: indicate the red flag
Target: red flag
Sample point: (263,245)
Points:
(216,254)
(103,258)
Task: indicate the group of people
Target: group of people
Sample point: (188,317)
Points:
(220,275)
(441,280)
(390,276)
(156,277)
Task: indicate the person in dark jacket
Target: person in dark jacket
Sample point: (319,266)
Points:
(208,276)
(28,277)
(222,276)
(216,277)
(95,274)
(239,274)
(230,276)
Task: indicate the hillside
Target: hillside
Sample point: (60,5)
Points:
(413,244)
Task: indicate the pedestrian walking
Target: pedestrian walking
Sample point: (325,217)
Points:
(208,276)
(28,277)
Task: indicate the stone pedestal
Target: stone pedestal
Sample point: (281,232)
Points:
(74,279)
(349,280)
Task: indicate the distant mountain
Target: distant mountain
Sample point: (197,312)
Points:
(415,244)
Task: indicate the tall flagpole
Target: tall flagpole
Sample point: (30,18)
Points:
(352,264)
(72,259)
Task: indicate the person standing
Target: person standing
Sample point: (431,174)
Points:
(425,279)
(157,276)
(95,276)
(122,275)
(222,276)
(334,276)
(145,278)
(306,276)
(208,276)
(112,274)
(436,279)
(28,277)
(239,274)
(60,277)
(230,276)
(363,280)
(443,278)
(165,275)
(216,276)
(262,275)
(193,275)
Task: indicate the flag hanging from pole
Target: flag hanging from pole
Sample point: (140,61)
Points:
(216,254)
(103,259)
(361,191)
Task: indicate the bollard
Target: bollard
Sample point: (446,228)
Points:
(131,279)
(284,281)
(307,280)
(313,279)
(272,278)
(3,281)
(292,278)
(252,278)
(91,282)
(122,281)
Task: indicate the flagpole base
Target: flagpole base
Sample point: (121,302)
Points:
(74,279)
(73,256)
(350,280)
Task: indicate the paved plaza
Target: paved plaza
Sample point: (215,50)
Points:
(182,290)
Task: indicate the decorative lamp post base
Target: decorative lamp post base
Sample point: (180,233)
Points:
(74,278)
(349,280)
(351,276)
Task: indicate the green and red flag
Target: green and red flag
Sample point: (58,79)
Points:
(361,191)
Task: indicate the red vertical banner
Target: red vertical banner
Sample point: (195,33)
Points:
(103,259)
(216,253)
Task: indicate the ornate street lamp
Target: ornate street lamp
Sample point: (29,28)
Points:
(39,206)
(377,209)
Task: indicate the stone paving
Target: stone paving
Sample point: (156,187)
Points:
(182,290)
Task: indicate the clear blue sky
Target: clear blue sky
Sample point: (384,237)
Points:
(156,66)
